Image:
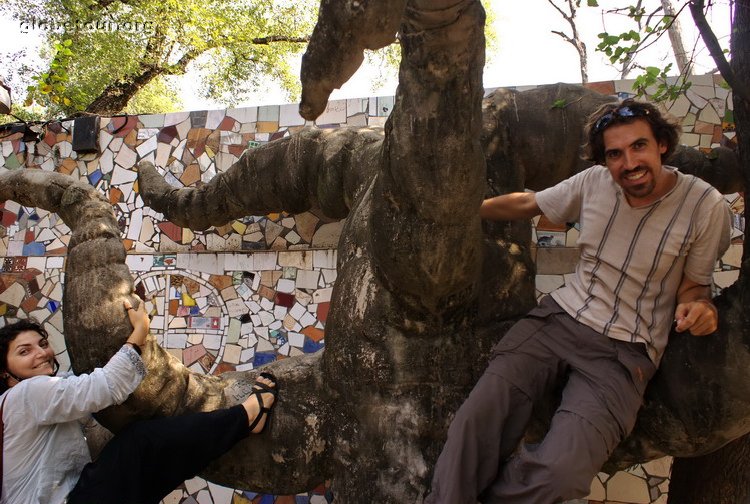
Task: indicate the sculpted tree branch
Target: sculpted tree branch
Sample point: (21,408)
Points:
(739,87)
(96,269)
(344,29)
(319,169)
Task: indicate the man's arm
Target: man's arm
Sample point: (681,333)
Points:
(513,206)
(695,311)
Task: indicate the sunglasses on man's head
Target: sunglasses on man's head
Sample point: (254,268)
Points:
(625,111)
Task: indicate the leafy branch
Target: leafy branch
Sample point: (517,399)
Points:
(53,83)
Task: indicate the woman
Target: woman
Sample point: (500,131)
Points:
(45,456)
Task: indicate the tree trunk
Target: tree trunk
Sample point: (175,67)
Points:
(116,96)
(575,39)
(723,477)
(675,37)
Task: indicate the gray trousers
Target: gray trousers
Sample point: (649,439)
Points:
(604,380)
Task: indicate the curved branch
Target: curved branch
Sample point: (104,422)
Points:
(311,169)
(565,37)
(344,30)
(270,39)
(116,96)
(426,199)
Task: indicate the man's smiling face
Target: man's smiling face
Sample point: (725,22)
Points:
(633,157)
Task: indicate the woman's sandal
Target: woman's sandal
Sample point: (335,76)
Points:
(262,388)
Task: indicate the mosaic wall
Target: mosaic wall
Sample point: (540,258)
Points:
(258,289)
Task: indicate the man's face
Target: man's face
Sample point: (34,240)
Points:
(633,156)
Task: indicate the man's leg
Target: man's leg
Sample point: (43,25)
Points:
(485,430)
(598,409)
(492,420)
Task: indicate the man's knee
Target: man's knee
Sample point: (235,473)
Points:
(555,480)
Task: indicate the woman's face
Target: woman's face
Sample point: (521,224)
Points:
(29,354)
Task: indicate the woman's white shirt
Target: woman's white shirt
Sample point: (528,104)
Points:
(44,448)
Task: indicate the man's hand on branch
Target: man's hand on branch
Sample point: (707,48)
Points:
(700,317)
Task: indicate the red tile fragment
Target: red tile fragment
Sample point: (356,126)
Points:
(192,354)
(322,311)
(284,299)
(173,231)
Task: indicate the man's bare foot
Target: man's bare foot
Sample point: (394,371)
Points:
(260,402)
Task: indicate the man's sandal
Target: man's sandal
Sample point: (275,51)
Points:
(262,388)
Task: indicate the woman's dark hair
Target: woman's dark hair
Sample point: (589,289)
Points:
(8,334)
(665,130)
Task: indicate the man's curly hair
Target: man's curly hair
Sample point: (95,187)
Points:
(666,130)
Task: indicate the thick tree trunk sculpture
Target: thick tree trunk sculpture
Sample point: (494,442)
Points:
(422,292)
(723,477)
(720,477)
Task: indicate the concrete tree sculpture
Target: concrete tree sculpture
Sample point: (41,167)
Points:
(423,290)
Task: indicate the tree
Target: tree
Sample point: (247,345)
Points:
(651,26)
(423,291)
(105,52)
(675,37)
(574,39)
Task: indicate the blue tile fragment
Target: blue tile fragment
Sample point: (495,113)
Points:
(34,249)
(95,177)
(263,358)
(310,346)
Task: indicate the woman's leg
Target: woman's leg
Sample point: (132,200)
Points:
(151,458)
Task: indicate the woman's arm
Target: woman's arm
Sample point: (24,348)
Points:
(51,400)
(140,322)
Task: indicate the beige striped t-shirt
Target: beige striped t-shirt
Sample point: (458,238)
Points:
(633,259)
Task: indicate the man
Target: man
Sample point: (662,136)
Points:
(649,240)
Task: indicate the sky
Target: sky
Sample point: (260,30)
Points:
(527,53)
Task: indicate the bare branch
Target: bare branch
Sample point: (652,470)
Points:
(575,40)
(675,36)
(270,39)
(562,12)
(564,36)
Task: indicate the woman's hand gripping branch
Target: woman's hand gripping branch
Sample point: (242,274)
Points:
(140,322)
